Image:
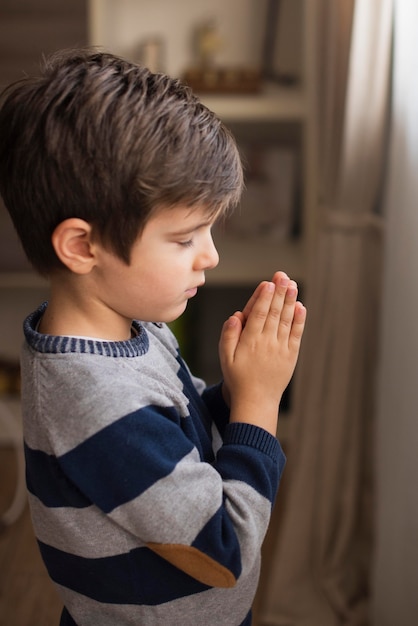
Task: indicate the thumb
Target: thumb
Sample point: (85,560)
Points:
(230,335)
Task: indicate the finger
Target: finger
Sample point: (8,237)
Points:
(288,311)
(229,339)
(298,326)
(240,316)
(280,278)
(277,278)
(248,307)
(279,310)
(260,310)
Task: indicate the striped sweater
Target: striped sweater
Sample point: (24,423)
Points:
(148,507)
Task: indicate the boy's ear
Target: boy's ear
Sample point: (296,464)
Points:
(73,245)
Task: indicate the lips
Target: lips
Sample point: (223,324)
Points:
(193,291)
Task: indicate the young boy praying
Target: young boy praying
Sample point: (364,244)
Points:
(150,493)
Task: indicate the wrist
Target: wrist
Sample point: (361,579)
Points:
(262,414)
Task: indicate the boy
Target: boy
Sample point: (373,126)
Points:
(150,494)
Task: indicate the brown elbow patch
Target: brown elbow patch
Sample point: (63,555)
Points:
(198,565)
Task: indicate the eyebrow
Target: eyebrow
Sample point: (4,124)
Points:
(191,229)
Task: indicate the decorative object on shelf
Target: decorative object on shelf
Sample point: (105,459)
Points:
(228,80)
(207,43)
(282,41)
(268,208)
(207,76)
(151,53)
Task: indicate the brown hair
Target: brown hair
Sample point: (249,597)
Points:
(103,139)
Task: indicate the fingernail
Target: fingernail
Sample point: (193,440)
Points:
(270,286)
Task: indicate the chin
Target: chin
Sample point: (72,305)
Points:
(172,317)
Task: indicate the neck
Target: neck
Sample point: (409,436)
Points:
(74,309)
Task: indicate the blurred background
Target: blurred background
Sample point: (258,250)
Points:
(321,98)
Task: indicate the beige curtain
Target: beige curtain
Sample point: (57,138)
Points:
(395,596)
(319,574)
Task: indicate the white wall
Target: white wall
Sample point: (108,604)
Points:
(396,566)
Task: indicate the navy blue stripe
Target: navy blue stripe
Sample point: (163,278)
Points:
(256,437)
(248,620)
(46,481)
(219,411)
(124,459)
(137,577)
(240,461)
(218,540)
(201,433)
(66,619)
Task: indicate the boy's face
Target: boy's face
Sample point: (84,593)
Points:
(168,263)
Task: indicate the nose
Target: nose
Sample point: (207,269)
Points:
(208,257)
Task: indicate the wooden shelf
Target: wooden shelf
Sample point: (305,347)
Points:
(273,103)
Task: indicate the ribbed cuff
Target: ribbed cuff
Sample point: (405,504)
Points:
(240,433)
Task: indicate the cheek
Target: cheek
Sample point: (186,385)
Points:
(169,267)
(162,281)
(161,271)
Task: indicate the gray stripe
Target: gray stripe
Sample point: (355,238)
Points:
(84,532)
(178,506)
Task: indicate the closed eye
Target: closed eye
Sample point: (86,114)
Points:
(186,244)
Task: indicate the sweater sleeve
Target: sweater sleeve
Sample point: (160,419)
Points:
(143,472)
(217,407)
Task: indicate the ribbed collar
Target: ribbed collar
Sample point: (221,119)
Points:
(52,344)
